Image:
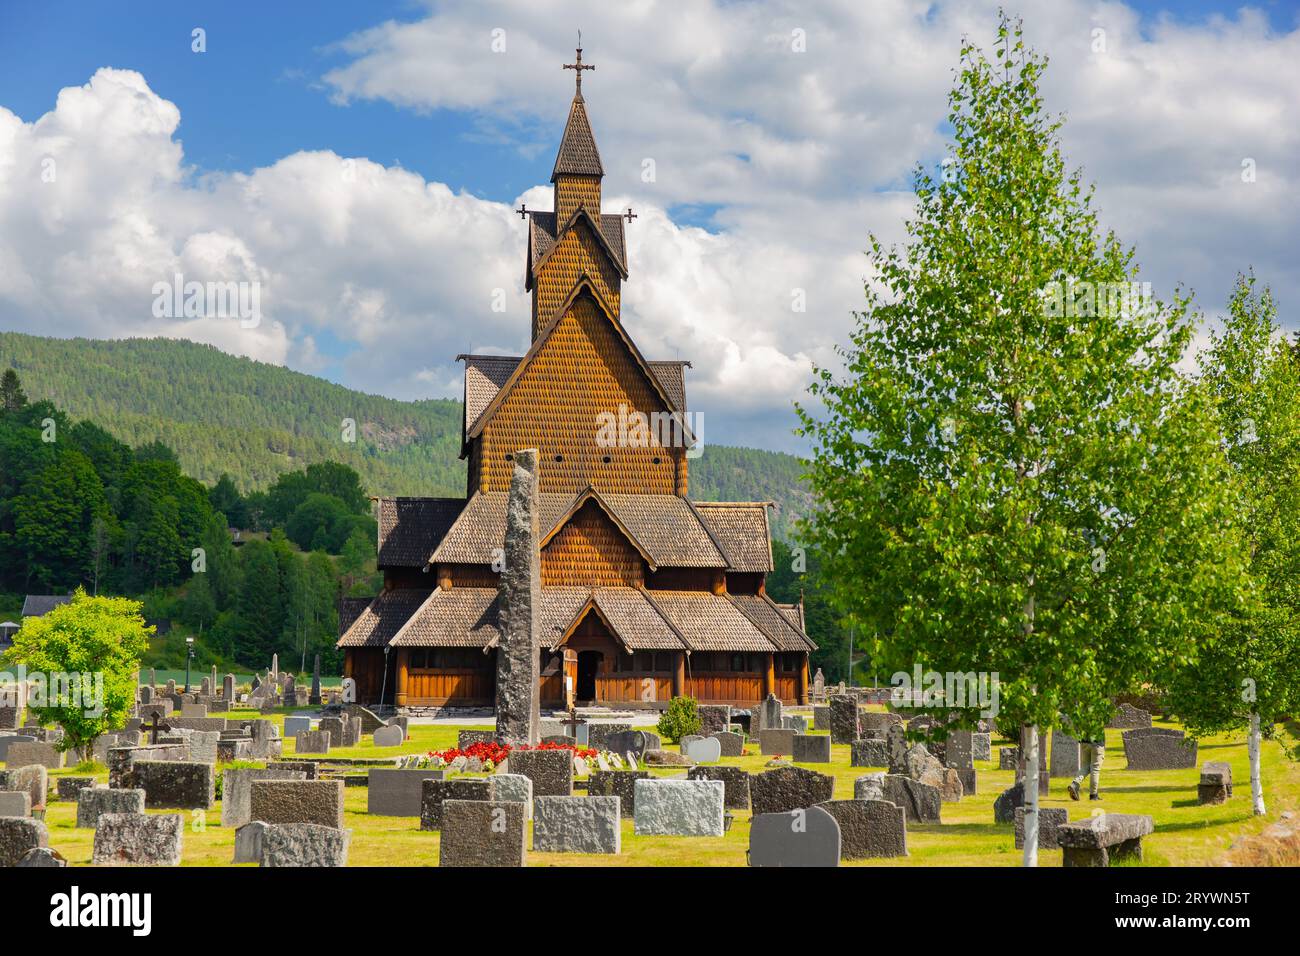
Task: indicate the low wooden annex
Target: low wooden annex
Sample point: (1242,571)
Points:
(648,594)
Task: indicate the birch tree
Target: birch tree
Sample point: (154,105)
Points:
(1013,477)
(1247,674)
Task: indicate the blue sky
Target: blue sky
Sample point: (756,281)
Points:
(752,182)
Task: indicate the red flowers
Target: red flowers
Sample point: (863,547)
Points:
(495,752)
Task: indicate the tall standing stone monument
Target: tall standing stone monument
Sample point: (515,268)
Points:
(314,700)
(518,697)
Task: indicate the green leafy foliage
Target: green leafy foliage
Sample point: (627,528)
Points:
(680,718)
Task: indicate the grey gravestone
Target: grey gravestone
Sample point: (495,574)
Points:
(920,802)
(293,726)
(8,718)
(896,741)
(313,742)
(42,856)
(875,723)
(36,752)
(1065,755)
(869,752)
(671,807)
(15,803)
(821,717)
(1008,758)
(735,783)
(602,736)
(303,844)
(1156,748)
(959,754)
(67,788)
(981,746)
(94,802)
(769,715)
(519,644)
(228,690)
(844,719)
(389,737)
(811,748)
(577,825)
(618,783)
(808,837)
(297,801)
(731,745)
(714,718)
(397,793)
(136,839)
(789,788)
(1010,800)
(1050,821)
(482,832)
(9,740)
(1216,782)
(248,842)
(703,750)
(436,793)
(19,836)
(468,738)
(314,698)
(550,770)
(773,743)
(869,828)
(175,784)
(870,786)
(793,722)
(1100,840)
(237,792)
(512,788)
(1128,717)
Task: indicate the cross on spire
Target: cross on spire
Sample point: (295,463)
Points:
(578,67)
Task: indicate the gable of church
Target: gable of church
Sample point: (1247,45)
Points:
(577,253)
(590,550)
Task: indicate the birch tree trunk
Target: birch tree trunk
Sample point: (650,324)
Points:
(1031,795)
(1256,782)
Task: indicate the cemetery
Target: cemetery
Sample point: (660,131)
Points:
(422,793)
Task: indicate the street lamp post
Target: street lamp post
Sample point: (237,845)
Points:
(189,656)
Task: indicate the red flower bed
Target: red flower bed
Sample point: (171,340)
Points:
(495,752)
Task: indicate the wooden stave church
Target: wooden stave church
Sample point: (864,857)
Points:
(647,594)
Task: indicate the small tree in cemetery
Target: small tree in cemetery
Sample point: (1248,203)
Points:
(680,718)
(1247,673)
(1013,478)
(87,653)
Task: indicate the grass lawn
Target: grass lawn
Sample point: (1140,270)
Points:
(1186,834)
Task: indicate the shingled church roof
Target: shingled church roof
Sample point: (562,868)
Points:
(578,155)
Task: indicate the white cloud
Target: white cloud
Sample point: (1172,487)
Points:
(801,155)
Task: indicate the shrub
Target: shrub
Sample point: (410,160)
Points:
(680,719)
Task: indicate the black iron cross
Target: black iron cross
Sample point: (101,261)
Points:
(573,722)
(579,67)
(522,210)
(629,215)
(155,727)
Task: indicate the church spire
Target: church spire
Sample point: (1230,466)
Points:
(578,155)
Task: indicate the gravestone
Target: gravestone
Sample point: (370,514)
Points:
(302,844)
(94,802)
(959,752)
(819,685)
(436,793)
(920,802)
(513,788)
(1216,782)
(389,737)
(876,723)
(981,746)
(673,807)
(844,719)
(870,786)
(397,793)
(869,752)
(175,784)
(519,644)
(237,792)
(789,788)
(293,726)
(776,742)
(67,788)
(869,829)
(1103,839)
(1065,757)
(821,717)
(1010,800)
(19,836)
(313,742)
(314,698)
(137,839)
(703,750)
(34,753)
(811,748)
(735,782)
(794,722)
(1008,758)
(1156,748)
(714,718)
(925,768)
(468,738)
(8,718)
(228,691)
(42,856)
(307,768)
(32,779)
(618,783)
(1050,821)
(601,736)
(1128,717)
(297,801)
(896,741)
(577,825)
(482,832)
(550,770)
(730,744)
(638,742)
(9,740)
(807,837)
(15,803)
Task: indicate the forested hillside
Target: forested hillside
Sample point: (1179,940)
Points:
(254,421)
